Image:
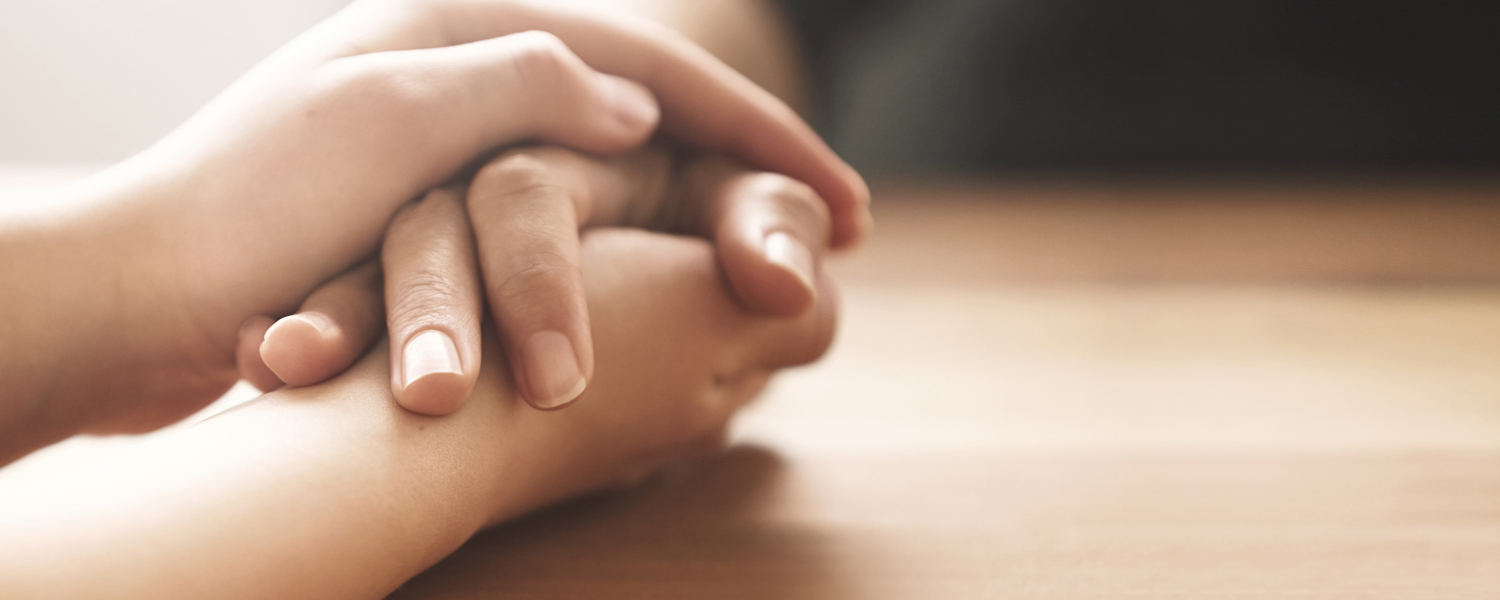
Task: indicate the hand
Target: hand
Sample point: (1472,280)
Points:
(291,176)
(333,491)
(680,355)
(526,207)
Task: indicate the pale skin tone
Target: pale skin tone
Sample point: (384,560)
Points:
(125,299)
(439,287)
(334,491)
(338,490)
(525,212)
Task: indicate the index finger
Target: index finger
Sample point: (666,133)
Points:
(704,101)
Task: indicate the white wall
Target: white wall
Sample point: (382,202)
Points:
(98,80)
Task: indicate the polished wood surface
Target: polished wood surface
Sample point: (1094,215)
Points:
(1052,390)
(1076,391)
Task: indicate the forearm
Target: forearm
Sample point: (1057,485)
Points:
(87,317)
(59,299)
(334,491)
(322,492)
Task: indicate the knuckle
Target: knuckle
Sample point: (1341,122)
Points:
(372,83)
(538,40)
(541,60)
(409,104)
(534,272)
(421,299)
(427,225)
(517,172)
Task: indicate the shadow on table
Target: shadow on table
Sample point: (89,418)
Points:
(705,530)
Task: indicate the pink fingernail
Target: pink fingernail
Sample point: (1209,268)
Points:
(319,321)
(427,353)
(552,370)
(786,251)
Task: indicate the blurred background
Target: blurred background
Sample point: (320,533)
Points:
(1174,85)
(98,80)
(1169,298)
(901,86)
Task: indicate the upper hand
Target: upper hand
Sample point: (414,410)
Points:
(292,175)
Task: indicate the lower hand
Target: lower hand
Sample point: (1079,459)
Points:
(334,491)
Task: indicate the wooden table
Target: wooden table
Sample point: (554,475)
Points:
(1048,390)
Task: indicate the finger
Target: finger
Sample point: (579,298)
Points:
(794,341)
(526,206)
(434,310)
(483,94)
(247,354)
(705,102)
(336,324)
(689,286)
(771,232)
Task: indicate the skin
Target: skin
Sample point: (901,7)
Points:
(525,225)
(334,491)
(436,283)
(127,294)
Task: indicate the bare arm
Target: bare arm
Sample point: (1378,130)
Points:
(334,491)
(330,491)
(129,321)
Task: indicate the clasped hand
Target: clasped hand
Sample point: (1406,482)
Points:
(525,208)
(443,171)
(269,198)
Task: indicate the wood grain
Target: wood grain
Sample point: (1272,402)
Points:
(1077,392)
(753,524)
(1080,391)
(1161,231)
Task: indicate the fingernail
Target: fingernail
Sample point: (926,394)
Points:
(552,370)
(428,353)
(319,321)
(631,102)
(293,324)
(785,250)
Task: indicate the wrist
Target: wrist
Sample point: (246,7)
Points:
(81,279)
(50,317)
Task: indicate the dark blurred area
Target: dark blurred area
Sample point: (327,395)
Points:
(985,86)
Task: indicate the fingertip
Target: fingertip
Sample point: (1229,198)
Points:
(852,228)
(436,394)
(303,349)
(433,381)
(852,221)
(247,354)
(552,373)
(793,342)
(630,104)
(562,400)
(772,273)
(860,190)
(794,258)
